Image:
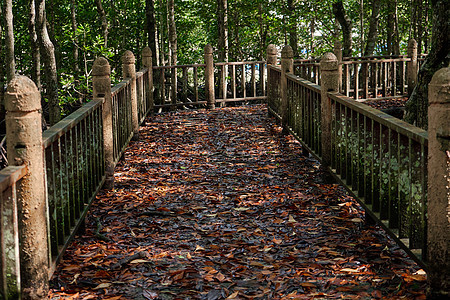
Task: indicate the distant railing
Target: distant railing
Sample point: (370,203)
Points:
(381,160)
(188,85)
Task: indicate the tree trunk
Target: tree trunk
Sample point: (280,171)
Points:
(346,25)
(48,59)
(222,21)
(262,32)
(373,28)
(36,58)
(172,32)
(151,27)
(292,27)
(9,41)
(102,14)
(361,25)
(439,57)
(393,42)
(75,53)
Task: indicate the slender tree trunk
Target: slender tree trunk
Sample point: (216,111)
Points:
(262,32)
(420,28)
(48,59)
(151,27)
(361,26)
(222,20)
(393,36)
(312,29)
(292,27)
(372,36)
(346,25)
(35,53)
(75,52)
(102,14)
(439,57)
(9,41)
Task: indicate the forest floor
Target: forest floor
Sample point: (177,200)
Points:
(220,205)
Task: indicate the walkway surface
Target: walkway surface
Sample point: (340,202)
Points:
(220,205)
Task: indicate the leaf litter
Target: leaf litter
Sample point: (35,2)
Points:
(220,205)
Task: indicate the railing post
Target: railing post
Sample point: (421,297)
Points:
(338,53)
(438,245)
(148,63)
(287,67)
(271,60)
(129,72)
(412,66)
(101,82)
(209,77)
(329,83)
(24,146)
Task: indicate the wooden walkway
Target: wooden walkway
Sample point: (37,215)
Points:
(219,205)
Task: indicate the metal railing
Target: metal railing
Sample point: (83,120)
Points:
(75,172)
(381,160)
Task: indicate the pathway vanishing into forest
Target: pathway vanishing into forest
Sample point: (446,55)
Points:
(220,205)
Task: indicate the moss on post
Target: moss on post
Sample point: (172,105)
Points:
(438,244)
(129,72)
(24,144)
(329,74)
(101,82)
(209,77)
(147,62)
(287,67)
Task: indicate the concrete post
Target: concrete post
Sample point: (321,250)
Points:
(412,66)
(271,60)
(438,244)
(24,146)
(148,63)
(329,83)
(287,67)
(338,53)
(272,54)
(101,82)
(209,77)
(129,72)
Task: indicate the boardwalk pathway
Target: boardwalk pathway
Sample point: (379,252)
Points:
(219,205)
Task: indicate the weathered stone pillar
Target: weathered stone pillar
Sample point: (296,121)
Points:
(209,77)
(271,60)
(272,54)
(329,83)
(438,244)
(412,66)
(338,53)
(101,82)
(148,63)
(129,72)
(24,146)
(287,67)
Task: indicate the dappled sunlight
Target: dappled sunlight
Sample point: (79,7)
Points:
(219,205)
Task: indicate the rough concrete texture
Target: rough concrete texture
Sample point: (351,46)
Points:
(129,71)
(101,83)
(439,185)
(24,144)
(329,74)
(272,54)
(147,57)
(209,77)
(412,66)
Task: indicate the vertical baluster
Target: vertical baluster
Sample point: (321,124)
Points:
(243,83)
(375,79)
(394,78)
(365,79)
(51,191)
(385,79)
(196,84)
(233,81)
(262,78)
(253,68)
(356,82)
(347,80)
(185,85)
(162,78)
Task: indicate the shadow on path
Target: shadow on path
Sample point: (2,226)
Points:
(219,205)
